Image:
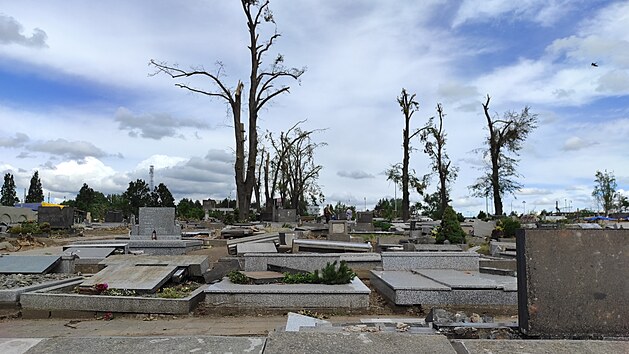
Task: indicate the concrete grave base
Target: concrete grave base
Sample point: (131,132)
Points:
(48,301)
(226,294)
(413,288)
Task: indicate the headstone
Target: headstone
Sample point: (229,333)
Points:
(364,221)
(573,283)
(337,227)
(58,218)
(156,223)
(286,215)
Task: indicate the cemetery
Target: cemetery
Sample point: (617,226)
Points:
(263,248)
(458,290)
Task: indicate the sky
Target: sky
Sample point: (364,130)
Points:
(80,104)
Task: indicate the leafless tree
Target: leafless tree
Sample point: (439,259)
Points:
(506,135)
(292,172)
(434,139)
(399,174)
(264,85)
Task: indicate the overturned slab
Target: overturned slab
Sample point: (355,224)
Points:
(27,264)
(140,277)
(265,247)
(197,264)
(89,252)
(309,262)
(329,246)
(226,294)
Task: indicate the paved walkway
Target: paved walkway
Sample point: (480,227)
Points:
(248,334)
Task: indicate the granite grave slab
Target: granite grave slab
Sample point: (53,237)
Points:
(16,264)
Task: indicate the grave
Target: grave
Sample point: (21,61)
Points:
(364,221)
(441,278)
(282,297)
(156,233)
(143,274)
(573,283)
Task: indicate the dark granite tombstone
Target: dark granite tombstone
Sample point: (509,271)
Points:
(573,283)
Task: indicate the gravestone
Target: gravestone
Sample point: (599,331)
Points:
(338,231)
(573,283)
(157,224)
(58,218)
(364,221)
(285,215)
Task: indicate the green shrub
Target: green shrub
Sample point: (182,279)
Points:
(509,226)
(237,277)
(300,278)
(450,228)
(382,225)
(329,275)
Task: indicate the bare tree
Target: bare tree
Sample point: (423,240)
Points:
(434,139)
(506,135)
(264,85)
(399,174)
(292,171)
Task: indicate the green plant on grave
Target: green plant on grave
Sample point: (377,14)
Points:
(450,228)
(300,278)
(331,275)
(237,277)
(171,293)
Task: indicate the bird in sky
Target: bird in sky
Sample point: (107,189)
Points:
(594,65)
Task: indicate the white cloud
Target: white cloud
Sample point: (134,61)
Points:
(354,174)
(544,12)
(576,143)
(11,33)
(153,126)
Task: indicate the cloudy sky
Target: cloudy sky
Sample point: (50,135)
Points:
(79,104)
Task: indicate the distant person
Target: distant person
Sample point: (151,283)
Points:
(349,214)
(327,214)
(154,235)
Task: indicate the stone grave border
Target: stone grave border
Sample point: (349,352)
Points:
(12,296)
(42,303)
